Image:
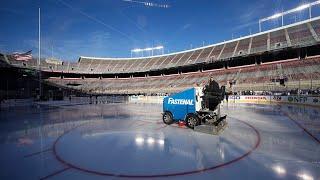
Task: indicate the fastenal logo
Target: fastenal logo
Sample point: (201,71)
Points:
(180,101)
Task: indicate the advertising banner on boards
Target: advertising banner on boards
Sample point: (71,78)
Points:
(306,100)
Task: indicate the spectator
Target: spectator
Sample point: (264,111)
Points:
(227,97)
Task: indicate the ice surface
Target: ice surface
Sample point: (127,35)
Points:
(130,140)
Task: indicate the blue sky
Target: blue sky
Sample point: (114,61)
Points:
(111,28)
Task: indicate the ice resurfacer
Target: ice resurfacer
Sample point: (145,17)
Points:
(199,107)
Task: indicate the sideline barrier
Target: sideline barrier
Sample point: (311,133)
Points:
(146,99)
(301,100)
(16,103)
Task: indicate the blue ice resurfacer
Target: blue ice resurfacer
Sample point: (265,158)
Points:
(199,107)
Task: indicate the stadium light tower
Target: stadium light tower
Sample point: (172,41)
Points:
(282,14)
(158,48)
(149,49)
(135,51)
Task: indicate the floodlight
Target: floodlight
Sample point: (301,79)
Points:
(136,50)
(276,16)
(302,7)
(147,49)
(299,8)
(159,47)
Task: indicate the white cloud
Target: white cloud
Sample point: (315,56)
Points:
(186,26)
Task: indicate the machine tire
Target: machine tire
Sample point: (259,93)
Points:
(192,120)
(167,118)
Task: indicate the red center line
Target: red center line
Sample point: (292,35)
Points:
(177,126)
(68,167)
(55,173)
(151,122)
(304,129)
(36,153)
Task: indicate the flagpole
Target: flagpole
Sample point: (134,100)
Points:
(39,55)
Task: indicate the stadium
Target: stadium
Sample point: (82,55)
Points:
(105,117)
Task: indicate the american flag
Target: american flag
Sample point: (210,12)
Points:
(23,56)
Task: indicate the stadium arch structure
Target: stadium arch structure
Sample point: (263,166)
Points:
(284,58)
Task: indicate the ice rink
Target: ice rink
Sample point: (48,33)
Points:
(124,141)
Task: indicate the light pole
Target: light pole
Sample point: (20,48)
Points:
(39,55)
(310,13)
(259,25)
